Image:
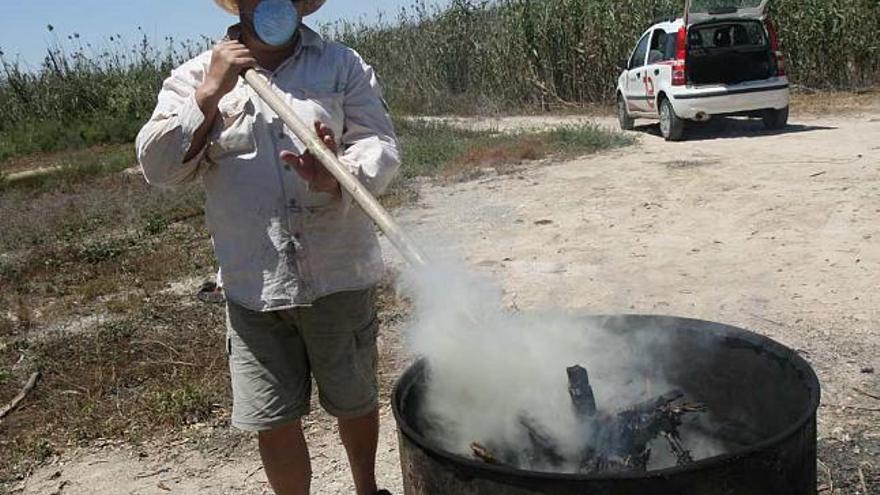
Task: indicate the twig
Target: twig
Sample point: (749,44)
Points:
(60,487)
(682,455)
(483,453)
(862,481)
(31,383)
(768,320)
(817,174)
(153,473)
(805,89)
(157,342)
(866,394)
(255,471)
(187,216)
(171,363)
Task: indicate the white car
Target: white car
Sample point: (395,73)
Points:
(715,61)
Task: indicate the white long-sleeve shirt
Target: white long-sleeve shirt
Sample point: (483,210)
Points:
(278,244)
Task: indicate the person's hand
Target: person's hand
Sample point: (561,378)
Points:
(310,169)
(228,59)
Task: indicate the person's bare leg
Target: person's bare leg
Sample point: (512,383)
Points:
(360,436)
(286,459)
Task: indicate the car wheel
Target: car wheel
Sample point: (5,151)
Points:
(775,119)
(627,123)
(671,126)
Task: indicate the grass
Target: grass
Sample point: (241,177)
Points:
(47,171)
(161,368)
(88,262)
(437,149)
(834,102)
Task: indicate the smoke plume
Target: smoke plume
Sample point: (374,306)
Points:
(491,369)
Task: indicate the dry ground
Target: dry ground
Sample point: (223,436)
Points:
(775,232)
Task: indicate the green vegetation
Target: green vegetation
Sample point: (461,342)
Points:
(473,57)
(437,149)
(83,95)
(432,148)
(66,167)
(479,56)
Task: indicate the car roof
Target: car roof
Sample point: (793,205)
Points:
(674,25)
(668,26)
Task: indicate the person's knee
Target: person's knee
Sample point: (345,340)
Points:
(361,424)
(282,436)
(359,419)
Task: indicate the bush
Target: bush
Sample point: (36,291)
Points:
(81,96)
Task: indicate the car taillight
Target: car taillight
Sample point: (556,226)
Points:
(774,47)
(679,69)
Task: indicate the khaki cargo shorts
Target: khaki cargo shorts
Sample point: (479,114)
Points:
(273,356)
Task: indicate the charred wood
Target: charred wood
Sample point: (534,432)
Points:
(612,442)
(581,392)
(543,450)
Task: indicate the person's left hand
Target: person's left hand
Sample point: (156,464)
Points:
(310,169)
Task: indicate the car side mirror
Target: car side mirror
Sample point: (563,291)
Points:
(623,64)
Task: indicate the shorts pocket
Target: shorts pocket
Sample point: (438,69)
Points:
(366,336)
(367,352)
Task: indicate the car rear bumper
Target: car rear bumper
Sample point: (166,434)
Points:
(731,99)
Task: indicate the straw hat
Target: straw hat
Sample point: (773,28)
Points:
(308,6)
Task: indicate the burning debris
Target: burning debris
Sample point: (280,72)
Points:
(612,441)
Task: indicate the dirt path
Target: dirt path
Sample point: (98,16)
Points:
(776,232)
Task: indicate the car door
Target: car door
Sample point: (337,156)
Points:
(635,76)
(657,69)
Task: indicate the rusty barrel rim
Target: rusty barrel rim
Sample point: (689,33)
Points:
(809,376)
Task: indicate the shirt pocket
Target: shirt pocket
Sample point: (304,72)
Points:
(325,106)
(234,133)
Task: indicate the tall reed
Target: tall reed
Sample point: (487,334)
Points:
(471,56)
(482,56)
(83,94)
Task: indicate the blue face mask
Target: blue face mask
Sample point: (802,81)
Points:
(276,21)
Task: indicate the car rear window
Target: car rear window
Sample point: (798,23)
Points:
(727,35)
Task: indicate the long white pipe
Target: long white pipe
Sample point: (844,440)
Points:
(407,248)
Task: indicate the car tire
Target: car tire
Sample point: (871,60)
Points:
(775,119)
(627,123)
(671,125)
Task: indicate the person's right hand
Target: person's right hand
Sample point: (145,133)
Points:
(228,60)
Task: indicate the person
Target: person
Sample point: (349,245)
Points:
(300,263)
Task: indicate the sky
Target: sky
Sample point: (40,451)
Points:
(24,34)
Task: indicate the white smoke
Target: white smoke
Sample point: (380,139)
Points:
(490,367)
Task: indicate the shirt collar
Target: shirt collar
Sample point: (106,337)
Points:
(308,37)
